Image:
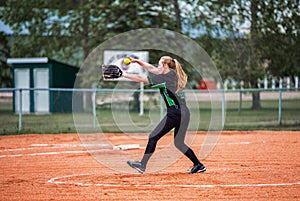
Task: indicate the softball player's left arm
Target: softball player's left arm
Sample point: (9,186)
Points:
(136,78)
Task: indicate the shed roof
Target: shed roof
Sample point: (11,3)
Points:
(27,60)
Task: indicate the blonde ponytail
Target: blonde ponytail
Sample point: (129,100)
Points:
(182,77)
(174,64)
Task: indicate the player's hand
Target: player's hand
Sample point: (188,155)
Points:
(132,60)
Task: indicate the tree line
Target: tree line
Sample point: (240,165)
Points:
(246,39)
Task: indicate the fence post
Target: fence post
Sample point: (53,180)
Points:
(280,83)
(223,108)
(225,84)
(296,82)
(141,98)
(265,83)
(94,108)
(273,83)
(280,107)
(161,107)
(20,109)
(288,82)
(241,102)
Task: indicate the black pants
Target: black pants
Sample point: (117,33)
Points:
(179,120)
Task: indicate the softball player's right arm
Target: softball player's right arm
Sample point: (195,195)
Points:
(149,67)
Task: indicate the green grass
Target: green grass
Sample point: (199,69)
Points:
(265,118)
(246,119)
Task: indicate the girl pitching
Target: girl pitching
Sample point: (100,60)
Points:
(170,79)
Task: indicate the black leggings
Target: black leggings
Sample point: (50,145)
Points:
(179,120)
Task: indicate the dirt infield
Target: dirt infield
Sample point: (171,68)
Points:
(259,165)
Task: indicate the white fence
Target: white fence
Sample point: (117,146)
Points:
(266,83)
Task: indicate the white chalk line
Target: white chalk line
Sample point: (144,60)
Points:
(55,146)
(54,180)
(70,145)
(55,153)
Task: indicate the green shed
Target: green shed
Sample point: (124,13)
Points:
(42,73)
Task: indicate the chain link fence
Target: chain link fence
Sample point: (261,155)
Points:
(108,110)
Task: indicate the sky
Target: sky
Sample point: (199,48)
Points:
(5,28)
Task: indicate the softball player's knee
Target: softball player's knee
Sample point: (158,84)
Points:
(152,141)
(181,146)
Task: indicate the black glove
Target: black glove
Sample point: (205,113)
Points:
(111,71)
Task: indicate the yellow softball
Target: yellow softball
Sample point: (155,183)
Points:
(126,61)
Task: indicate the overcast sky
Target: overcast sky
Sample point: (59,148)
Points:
(5,28)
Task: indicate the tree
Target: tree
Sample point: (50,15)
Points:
(38,31)
(246,30)
(69,30)
(5,70)
(280,36)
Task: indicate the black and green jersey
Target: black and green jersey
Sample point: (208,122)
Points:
(167,85)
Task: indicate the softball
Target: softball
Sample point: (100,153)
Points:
(126,61)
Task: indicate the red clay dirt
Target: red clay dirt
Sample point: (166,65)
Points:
(256,165)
